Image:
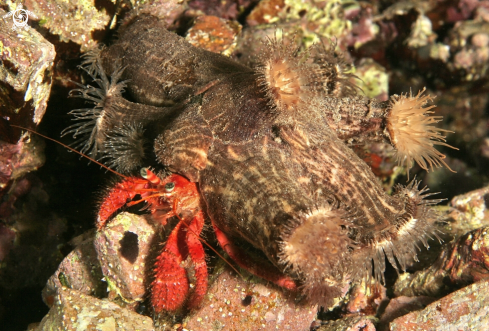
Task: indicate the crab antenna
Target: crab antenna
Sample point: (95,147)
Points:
(71,149)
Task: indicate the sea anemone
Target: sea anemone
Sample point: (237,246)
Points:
(93,122)
(125,147)
(318,248)
(280,74)
(411,132)
(291,78)
(399,242)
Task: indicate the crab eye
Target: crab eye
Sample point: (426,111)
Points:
(169,186)
(144,173)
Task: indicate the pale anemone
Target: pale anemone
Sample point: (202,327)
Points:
(412,133)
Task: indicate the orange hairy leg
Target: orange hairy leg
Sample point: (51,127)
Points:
(171,284)
(169,289)
(267,272)
(118,196)
(197,254)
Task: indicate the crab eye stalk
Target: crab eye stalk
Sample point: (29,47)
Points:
(144,172)
(169,187)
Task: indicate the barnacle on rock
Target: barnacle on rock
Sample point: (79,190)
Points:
(412,133)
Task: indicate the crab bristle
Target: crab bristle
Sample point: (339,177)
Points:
(412,132)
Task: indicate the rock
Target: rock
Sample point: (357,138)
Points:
(123,247)
(78,21)
(470,211)
(465,309)
(367,299)
(233,303)
(373,79)
(167,11)
(350,323)
(16,160)
(461,262)
(79,270)
(7,236)
(74,310)
(25,77)
(265,12)
(468,43)
(225,9)
(401,306)
(214,34)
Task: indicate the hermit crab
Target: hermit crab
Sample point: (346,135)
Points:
(263,154)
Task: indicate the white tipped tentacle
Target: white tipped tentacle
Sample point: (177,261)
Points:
(91,122)
(411,132)
(124,147)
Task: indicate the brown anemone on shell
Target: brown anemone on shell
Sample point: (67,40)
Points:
(319,250)
(126,144)
(291,78)
(412,132)
(399,242)
(280,75)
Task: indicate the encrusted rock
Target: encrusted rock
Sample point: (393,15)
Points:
(74,310)
(265,12)
(80,270)
(25,77)
(350,323)
(470,211)
(373,79)
(76,21)
(167,11)
(468,41)
(16,160)
(366,299)
(122,248)
(214,34)
(233,303)
(401,306)
(461,263)
(465,309)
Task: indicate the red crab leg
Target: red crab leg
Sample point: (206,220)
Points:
(197,254)
(266,272)
(169,289)
(118,197)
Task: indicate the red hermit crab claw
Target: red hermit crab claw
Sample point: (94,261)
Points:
(170,287)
